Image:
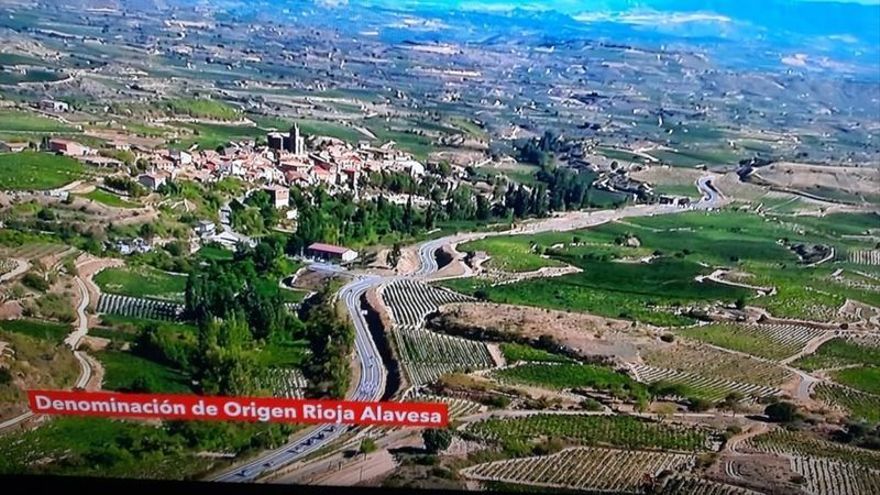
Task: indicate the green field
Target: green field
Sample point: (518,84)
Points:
(518,352)
(215,253)
(839,352)
(866,379)
(125,371)
(202,108)
(740,339)
(16,121)
(620,431)
(510,253)
(688,244)
(210,136)
(37,171)
(142,282)
(54,332)
(109,199)
(617,290)
(30,76)
(569,376)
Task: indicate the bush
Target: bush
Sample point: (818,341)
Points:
(36,282)
(781,412)
(436,440)
(5,376)
(667,337)
(697,404)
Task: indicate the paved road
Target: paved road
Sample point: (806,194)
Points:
(371,385)
(373,374)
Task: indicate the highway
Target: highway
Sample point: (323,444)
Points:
(370,387)
(372,373)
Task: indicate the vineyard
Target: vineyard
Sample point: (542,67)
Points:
(568,375)
(824,477)
(457,407)
(703,386)
(838,352)
(411,302)
(768,341)
(865,257)
(790,443)
(134,307)
(858,404)
(617,471)
(426,355)
(286,383)
(706,361)
(618,431)
(686,485)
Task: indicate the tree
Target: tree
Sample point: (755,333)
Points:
(732,403)
(368,445)
(436,440)
(394,255)
(781,412)
(698,404)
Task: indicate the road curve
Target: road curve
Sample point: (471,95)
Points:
(373,373)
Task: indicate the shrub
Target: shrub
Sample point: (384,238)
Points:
(36,282)
(436,440)
(5,376)
(781,412)
(667,337)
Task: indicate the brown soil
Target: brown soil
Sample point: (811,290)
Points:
(852,180)
(766,473)
(10,310)
(590,335)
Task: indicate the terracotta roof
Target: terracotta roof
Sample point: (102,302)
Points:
(328,248)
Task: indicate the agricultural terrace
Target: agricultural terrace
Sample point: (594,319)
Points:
(517,352)
(683,247)
(52,332)
(866,379)
(683,485)
(202,108)
(824,477)
(427,355)
(135,307)
(109,199)
(615,471)
(839,352)
(516,434)
(127,372)
(142,282)
(785,442)
(859,405)
(15,121)
(39,362)
(30,171)
(774,342)
(511,254)
(568,376)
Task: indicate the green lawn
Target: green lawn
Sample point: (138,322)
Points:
(210,136)
(16,121)
(37,171)
(142,282)
(31,76)
(125,371)
(109,199)
(54,332)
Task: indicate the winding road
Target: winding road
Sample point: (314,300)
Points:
(372,372)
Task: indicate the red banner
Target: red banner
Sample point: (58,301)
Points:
(249,409)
